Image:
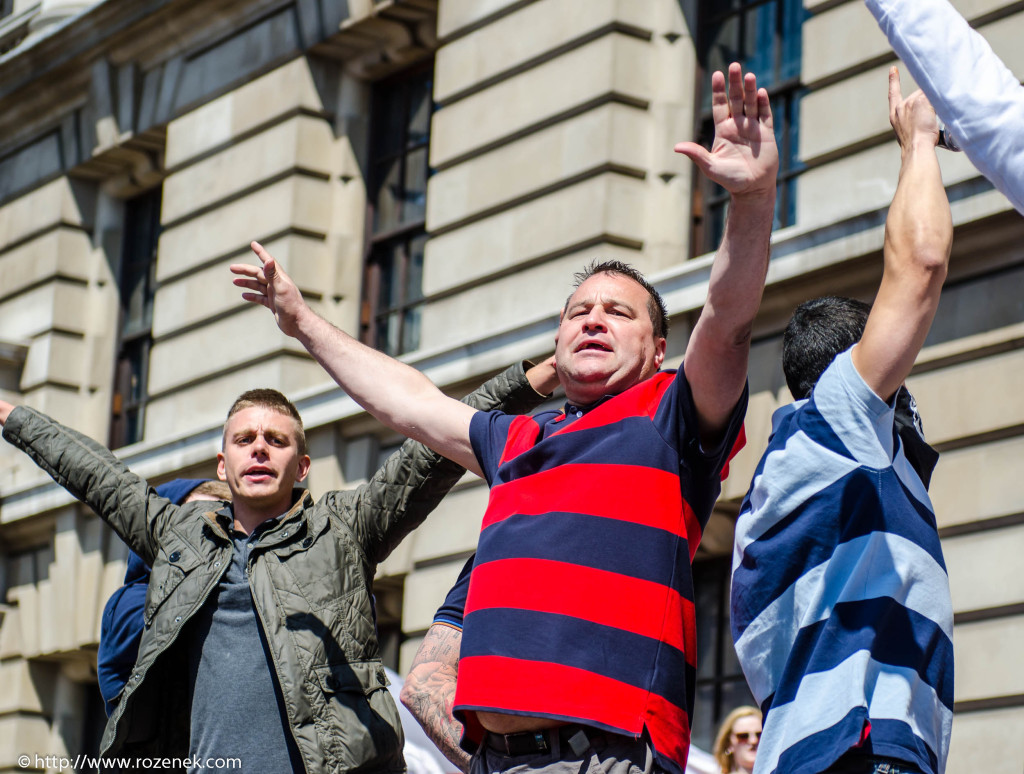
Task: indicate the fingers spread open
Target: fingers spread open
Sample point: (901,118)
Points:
(764,108)
(736,89)
(697,153)
(244,269)
(256,298)
(750,109)
(261,251)
(719,100)
(250,284)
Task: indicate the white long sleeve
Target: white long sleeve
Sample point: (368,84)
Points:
(973,92)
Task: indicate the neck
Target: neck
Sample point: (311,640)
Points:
(248,516)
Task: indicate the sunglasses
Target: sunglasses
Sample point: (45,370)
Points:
(746,736)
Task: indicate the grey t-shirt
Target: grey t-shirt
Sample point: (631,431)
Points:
(237,709)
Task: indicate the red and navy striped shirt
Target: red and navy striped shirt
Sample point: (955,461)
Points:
(580,603)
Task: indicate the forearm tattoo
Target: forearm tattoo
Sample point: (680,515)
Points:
(429,691)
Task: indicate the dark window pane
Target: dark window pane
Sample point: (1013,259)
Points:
(793,17)
(388,334)
(759,44)
(723,48)
(703,724)
(420,108)
(387,213)
(388,121)
(735,694)
(398,186)
(414,200)
(767,34)
(136,284)
(414,272)
(411,329)
(389,258)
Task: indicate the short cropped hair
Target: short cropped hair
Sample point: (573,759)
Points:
(655,305)
(212,488)
(273,400)
(819,330)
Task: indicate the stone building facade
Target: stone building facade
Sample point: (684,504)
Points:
(431,172)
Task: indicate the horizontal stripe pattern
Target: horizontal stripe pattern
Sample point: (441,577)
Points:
(885,691)
(841,610)
(876,565)
(566,691)
(881,626)
(631,440)
(630,550)
(580,602)
(627,492)
(617,654)
(592,595)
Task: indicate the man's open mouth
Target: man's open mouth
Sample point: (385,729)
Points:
(593,345)
(259,472)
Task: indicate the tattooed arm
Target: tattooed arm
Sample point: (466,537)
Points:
(430,689)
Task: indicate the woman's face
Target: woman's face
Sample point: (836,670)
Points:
(745,734)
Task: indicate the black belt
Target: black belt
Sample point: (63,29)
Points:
(577,737)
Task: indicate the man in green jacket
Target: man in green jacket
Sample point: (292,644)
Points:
(259,640)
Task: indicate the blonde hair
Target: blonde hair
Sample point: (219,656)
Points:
(721,748)
(212,488)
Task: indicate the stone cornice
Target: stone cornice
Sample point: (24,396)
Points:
(797,252)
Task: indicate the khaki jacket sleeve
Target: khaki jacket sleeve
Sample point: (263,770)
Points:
(92,474)
(413,480)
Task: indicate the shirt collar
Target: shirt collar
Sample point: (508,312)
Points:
(573,411)
(781,414)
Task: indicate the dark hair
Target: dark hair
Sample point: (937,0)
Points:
(655,305)
(273,400)
(819,330)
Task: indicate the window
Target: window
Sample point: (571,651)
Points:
(398,172)
(136,281)
(721,686)
(765,37)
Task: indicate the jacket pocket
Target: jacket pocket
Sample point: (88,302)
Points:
(174,560)
(357,721)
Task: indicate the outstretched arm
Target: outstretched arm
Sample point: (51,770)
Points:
(90,472)
(918,236)
(398,395)
(429,691)
(744,160)
(973,92)
(413,480)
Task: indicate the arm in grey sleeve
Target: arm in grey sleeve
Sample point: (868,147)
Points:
(972,91)
(89,471)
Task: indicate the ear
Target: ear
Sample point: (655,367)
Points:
(303,471)
(659,351)
(221,472)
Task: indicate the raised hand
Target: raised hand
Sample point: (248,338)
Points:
(911,117)
(272,288)
(743,158)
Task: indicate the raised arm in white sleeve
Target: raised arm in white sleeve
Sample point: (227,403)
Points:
(972,91)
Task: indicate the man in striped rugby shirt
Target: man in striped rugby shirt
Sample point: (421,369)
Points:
(841,610)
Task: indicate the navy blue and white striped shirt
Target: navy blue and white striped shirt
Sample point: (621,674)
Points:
(841,611)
